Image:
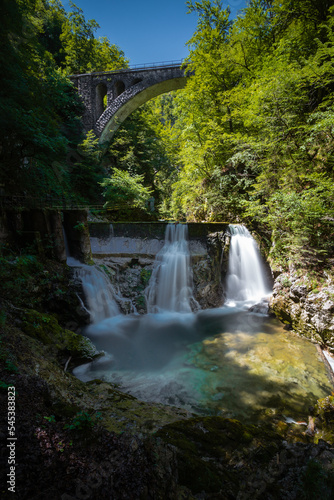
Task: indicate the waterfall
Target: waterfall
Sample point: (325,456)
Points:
(97,288)
(170,287)
(98,291)
(246,280)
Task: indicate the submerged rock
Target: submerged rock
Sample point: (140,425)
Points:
(260,308)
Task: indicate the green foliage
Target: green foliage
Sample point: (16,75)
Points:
(285,281)
(143,146)
(10,365)
(35,99)
(40,127)
(16,275)
(7,359)
(83,422)
(140,301)
(50,419)
(324,409)
(145,275)
(125,189)
(255,130)
(83,52)
(27,264)
(80,226)
(303,221)
(3,317)
(3,386)
(70,38)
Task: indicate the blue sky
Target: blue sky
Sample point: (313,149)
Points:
(147,30)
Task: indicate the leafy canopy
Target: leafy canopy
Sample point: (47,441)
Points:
(124,188)
(40,118)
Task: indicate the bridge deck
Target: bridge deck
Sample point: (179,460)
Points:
(136,67)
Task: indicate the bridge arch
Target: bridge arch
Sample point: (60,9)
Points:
(125,90)
(129,101)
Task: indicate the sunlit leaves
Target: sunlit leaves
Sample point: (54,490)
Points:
(40,119)
(122,188)
(256,121)
(303,222)
(83,52)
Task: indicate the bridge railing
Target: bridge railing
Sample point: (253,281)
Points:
(138,67)
(162,64)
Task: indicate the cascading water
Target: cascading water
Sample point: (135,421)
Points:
(246,280)
(197,360)
(96,286)
(170,287)
(99,293)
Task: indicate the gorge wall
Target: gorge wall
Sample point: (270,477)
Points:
(305,306)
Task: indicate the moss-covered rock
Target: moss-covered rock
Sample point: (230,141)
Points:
(213,451)
(207,273)
(304,307)
(323,413)
(46,329)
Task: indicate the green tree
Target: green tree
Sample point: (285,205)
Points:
(87,170)
(255,122)
(123,189)
(35,101)
(40,126)
(142,147)
(83,52)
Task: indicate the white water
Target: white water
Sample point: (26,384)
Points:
(221,361)
(170,286)
(246,280)
(96,286)
(99,293)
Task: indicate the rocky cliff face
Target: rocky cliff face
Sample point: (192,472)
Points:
(208,272)
(305,307)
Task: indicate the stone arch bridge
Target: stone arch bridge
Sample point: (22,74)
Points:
(125,90)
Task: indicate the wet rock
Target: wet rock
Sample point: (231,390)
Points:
(260,308)
(328,306)
(323,416)
(130,278)
(208,273)
(297,292)
(308,313)
(222,458)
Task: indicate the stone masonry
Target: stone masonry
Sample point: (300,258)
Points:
(126,90)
